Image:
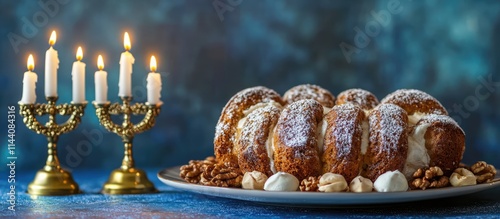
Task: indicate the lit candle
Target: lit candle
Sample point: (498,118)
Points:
(126,61)
(51,66)
(154,83)
(101,84)
(78,73)
(29,83)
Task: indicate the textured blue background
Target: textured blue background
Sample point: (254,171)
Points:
(441,47)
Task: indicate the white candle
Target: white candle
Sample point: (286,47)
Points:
(29,83)
(101,84)
(78,73)
(51,66)
(126,61)
(154,84)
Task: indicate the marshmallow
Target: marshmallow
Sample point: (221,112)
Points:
(331,182)
(361,184)
(281,182)
(254,180)
(462,177)
(391,181)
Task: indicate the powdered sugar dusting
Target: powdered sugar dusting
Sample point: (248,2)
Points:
(233,111)
(441,119)
(257,127)
(345,128)
(416,98)
(392,123)
(360,97)
(297,124)
(308,91)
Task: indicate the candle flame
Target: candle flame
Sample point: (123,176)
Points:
(79,53)
(152,64)
(100,63)
(31,63)
(53,38)
(126,42)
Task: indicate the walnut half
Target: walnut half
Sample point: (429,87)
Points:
(484,172)
(429,178)
(310,184)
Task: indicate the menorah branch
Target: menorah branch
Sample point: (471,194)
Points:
(104,112)
(74,120)
(149,120)
(28,111)
(115,109)
(127,129)
(140,109)
(66,109)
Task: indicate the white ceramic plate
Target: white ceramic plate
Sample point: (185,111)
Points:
(170,176)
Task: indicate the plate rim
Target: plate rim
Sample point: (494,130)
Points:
(317,198)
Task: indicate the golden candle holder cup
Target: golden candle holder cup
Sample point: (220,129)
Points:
(52,179)
(127,179)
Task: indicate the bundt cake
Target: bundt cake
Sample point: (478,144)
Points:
(308,133)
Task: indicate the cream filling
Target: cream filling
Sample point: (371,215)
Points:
(320,136)
(241,123)
(326,110)
(367,113)
(365,136)
(413,119)
(270,149)
(417,153)
(260,105)
(321,130)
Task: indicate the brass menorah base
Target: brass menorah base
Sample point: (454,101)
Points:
(52,179)
(127,179)
(53,182)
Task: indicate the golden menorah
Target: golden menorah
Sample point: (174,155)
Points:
(52,179)
(127,179)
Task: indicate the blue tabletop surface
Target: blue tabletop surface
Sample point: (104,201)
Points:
(173,203)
